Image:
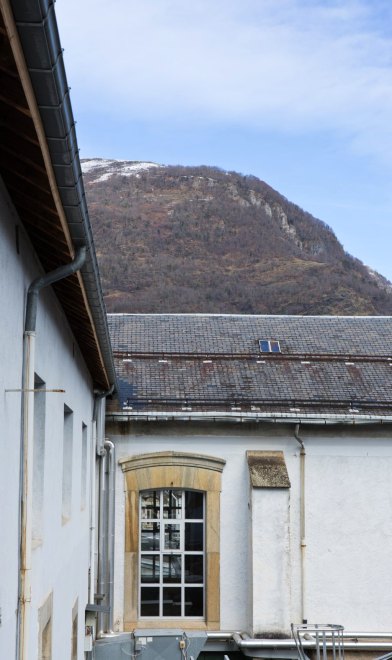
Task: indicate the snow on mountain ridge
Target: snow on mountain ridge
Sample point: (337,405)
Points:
(111,167)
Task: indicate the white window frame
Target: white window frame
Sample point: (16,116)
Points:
(180,552)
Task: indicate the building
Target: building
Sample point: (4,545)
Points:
(252,454)
(55,354)
(274,434)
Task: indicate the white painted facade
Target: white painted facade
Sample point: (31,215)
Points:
(60,556)
(348,504)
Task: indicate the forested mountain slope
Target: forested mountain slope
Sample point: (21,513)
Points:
(198,239)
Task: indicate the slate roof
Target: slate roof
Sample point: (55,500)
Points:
(191,362)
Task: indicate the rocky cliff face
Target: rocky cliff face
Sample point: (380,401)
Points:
(182,239)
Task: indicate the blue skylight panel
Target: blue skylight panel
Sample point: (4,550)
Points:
(269,346)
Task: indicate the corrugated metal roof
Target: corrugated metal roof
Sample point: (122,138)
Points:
(207,362)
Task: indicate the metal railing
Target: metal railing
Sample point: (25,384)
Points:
(326,639)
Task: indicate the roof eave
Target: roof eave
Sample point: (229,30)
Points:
(35,42)
(235,417)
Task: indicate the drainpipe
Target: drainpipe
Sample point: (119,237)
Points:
(111,467)
(91,590)
(106,538)
(105,533)
(102,542)
(302,523)
(99,417)
(26,453)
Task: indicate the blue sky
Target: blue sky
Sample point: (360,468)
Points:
(296,92)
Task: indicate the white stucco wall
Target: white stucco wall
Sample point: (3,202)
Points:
(11,328)
(60,560)
(270,556)
(348,522)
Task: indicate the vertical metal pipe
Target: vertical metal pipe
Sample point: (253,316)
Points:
(103,563)
(111,462)
(26,502)
(102,544)
(92,510)
(302,515)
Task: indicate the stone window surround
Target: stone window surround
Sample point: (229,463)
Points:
(170,469)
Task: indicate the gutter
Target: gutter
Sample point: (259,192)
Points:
(228,416)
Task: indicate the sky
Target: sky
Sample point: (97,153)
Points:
(295,92)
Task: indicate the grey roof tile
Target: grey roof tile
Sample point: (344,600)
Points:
(213,362)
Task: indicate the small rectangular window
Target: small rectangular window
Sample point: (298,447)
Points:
(269,346)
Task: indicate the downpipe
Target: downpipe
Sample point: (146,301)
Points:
(93,479)
(105,559)
(111,460)
(101,596)
(302,525)
(106,538)
(26,451)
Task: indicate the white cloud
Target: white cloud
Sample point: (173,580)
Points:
(293,65)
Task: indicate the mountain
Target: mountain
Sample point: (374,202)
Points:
(199,239)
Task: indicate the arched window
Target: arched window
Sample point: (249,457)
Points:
(172,540)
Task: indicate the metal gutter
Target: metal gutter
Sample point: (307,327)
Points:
(273,417)
(35,41)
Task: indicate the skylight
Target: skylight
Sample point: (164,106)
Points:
(269,346)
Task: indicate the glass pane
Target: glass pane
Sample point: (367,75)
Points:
(172,503)
(194,568)
(149,568)
(193,536)
(193,602)
(172,537)
(171,568)
(193,505)
(150,504)
(150,536)
(149,601)
(171,601)
(264,346)
(275,348)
